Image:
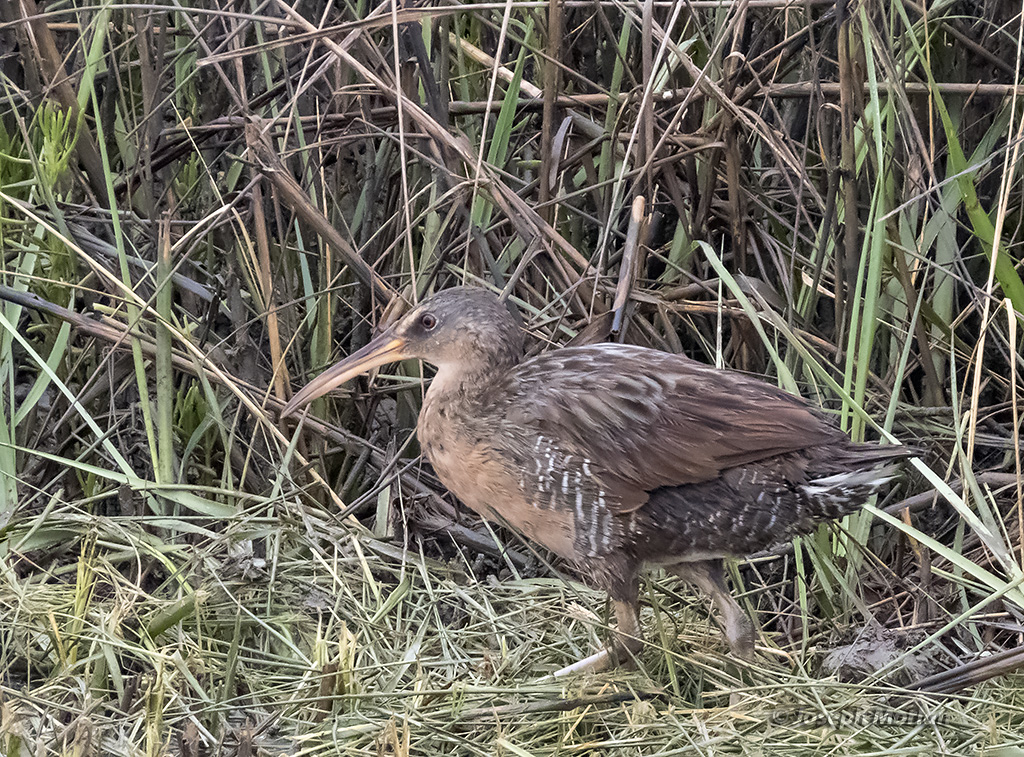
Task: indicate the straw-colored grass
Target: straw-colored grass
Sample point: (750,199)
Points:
(203,206)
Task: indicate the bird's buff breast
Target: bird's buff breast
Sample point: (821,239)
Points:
(476,472)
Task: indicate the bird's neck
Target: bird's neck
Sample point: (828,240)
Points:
(465,379)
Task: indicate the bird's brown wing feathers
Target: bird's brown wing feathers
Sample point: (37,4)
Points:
(645,419)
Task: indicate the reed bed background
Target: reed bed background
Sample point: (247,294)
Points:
(201,206)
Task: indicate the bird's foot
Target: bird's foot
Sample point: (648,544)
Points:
(622,653)
(596,663)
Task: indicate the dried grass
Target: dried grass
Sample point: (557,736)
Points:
(829,198)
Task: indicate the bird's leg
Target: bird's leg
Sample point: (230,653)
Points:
(709,576)
(623,585)
(629,637)
(625,596)
(627,643)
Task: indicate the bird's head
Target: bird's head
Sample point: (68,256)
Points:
(463,330)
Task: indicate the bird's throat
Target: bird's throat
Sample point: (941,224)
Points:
(461,380)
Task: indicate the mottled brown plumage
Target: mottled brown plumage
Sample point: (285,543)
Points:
(614,456)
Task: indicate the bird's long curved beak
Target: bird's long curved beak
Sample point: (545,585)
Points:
(383,349)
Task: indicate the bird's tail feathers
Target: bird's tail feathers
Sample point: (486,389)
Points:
(851,484)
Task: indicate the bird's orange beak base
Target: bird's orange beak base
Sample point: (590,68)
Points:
(385,348)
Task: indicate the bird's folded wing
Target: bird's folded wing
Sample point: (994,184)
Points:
(646,419)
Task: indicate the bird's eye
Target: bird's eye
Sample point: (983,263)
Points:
(428,321)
